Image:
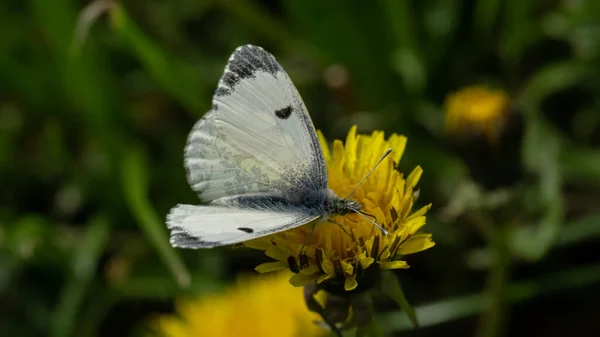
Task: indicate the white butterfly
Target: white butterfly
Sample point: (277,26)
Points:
(254,159)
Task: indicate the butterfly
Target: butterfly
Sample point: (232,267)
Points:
(254,159)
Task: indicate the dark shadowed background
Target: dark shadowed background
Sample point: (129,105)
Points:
(96,104)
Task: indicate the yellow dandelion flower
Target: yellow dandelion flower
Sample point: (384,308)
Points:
(476,109)
(255,307)
(343,253)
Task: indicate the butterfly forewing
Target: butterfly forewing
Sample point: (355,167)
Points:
(258,137)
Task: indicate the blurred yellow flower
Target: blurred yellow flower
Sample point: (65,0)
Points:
(476,109)
(342,253)
(261,306)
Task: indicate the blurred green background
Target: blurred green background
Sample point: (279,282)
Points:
(96,101)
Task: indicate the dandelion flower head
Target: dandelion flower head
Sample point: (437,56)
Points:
(265,306)
(341,253)
(476,109)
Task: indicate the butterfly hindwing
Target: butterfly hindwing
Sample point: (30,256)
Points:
(210,226)
(258,137)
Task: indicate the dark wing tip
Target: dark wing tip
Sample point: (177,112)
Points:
(248,48)
(243,63)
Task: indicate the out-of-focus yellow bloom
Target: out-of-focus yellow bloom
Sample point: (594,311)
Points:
(342,254)
(476,109)
(262,306)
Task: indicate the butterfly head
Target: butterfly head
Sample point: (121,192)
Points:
(341,206)
(335,205)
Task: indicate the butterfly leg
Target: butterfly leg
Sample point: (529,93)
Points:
(340,226)
(312,232)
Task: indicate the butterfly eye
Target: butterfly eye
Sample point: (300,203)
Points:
(284,113)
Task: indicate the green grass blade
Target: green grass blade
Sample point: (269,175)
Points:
(178,78)
(83,271)
(466,306)
(549,80)
(135,189)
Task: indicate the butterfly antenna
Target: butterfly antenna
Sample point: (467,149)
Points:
(368,174)
(383,230)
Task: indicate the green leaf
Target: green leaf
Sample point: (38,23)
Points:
(392,288)
(461,307)
(571,232)
(83,270)
(541,147)
(581,164)
(548,80)
(135,188)
(583,228)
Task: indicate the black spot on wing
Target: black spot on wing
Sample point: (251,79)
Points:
(284,113)
(244,63)
(246,229)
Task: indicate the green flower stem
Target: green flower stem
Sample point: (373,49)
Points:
(362,304)
(391,287)
(492,320)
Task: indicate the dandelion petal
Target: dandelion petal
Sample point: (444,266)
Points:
(416,243)
(350,283)
(300,280)
(393,265)
(270,266)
